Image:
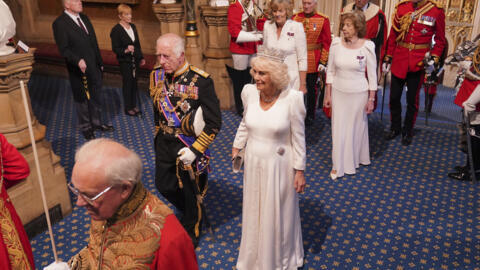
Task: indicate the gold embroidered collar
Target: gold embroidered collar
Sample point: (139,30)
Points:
(130,205)
(181,69)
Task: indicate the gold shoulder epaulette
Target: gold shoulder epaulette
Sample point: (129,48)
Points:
(323,15)
(437,4)
(199,71)
(401,2)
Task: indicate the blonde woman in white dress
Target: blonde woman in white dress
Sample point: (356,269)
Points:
(272,133)
(287,35)
(350,91)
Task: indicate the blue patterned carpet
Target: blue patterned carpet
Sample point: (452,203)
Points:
(401,212)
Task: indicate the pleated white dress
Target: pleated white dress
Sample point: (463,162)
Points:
(352,72)
(275,146)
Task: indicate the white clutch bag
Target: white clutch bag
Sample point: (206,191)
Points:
(237,161)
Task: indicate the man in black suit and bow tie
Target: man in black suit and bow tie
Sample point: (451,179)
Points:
(77,42)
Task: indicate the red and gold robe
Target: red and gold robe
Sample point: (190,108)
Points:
(143,234)
(15,250)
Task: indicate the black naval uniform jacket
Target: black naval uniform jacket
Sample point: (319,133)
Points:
(187,75)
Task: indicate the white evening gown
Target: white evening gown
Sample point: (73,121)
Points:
(346,72)
(293,42)
(275,146)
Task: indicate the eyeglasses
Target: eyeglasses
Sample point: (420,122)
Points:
(89,200)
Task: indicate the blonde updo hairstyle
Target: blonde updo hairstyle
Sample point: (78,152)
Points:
(278,71)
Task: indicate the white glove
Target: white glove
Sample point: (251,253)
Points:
(244,36)
(321,68)
(57,266)
(186,156)
(465,64)
(386,67)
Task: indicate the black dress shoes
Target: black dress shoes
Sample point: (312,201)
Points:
(104,127)
(407,139)
(88,134)
(392,134)
(462,176)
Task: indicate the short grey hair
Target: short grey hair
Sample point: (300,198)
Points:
(278,71)
(176,42)
(116,161)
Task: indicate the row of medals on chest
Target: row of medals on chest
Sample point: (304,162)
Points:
(182,103)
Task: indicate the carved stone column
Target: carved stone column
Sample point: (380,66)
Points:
(217,53)
(13,124)
(193,51)
(170,17)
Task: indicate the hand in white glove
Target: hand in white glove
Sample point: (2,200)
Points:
(186,156)
(57,266)
(465,64)
(321,68)
(386,67)
(244,36)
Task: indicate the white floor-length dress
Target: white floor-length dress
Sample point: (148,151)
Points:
(352,72)
(275,146)
(293,42)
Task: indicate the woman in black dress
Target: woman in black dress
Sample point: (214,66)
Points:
(126,45)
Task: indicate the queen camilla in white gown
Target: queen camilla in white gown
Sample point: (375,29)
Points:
(275,148)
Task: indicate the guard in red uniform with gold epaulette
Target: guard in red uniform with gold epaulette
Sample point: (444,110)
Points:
(468,97)
(244,37)
(414,23)
(319,38)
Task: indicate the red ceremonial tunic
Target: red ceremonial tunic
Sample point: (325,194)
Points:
(319,38)
(413,26)
(143,234)
(15,250)
(234,17)
(467,88)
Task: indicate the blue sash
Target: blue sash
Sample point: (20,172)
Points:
(168,111)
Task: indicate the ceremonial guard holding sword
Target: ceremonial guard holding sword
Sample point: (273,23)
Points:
(187,119)
(413,25)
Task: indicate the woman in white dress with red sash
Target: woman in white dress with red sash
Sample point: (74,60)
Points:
(272,133)
(350,91)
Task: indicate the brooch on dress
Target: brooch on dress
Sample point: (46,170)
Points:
(291,34)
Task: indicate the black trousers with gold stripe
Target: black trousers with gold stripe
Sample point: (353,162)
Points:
(167,183)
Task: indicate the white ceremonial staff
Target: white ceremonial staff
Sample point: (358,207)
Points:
(37,164)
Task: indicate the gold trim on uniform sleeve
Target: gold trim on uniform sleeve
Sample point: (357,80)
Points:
(203,141)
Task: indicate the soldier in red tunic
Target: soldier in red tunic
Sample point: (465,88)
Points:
(244,37)
(468,97)
(413,25)
(376,26)
(319,38)
(15,250)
